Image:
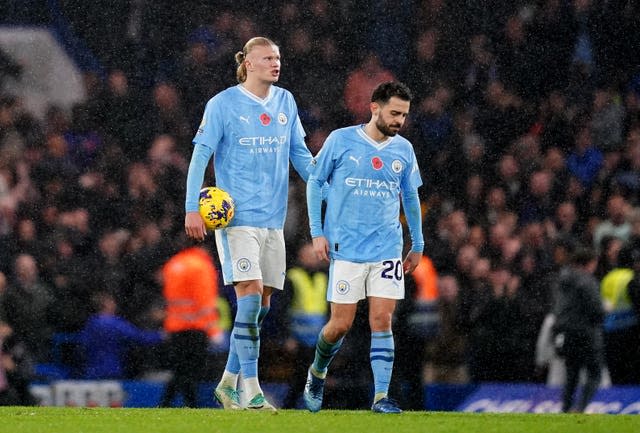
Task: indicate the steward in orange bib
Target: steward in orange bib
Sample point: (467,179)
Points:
(190,288)
(191,292)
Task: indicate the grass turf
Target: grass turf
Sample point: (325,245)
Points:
(104,420)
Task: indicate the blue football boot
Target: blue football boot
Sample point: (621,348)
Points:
(313,391)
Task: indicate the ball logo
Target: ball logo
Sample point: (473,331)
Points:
(216,207)
(376,163)
(243,265)
(396,166)
(282,119)
(265,119)
(342,287)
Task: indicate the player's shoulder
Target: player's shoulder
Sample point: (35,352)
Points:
(280,93)
(402,141)
(347,131)
(339,136)
(232,92)
(402,146)
(224,95)
(280,90)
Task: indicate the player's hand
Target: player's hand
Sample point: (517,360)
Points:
(411,262)
(194,226)
(321,248)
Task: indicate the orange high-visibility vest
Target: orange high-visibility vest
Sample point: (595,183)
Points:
(426,278)
(190,288)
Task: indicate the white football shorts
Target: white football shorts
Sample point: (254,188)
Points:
(252,253)
(350,282)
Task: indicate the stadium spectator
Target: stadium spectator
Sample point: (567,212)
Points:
(452,232)
(446,360)
(388,20)
(578,326)
(479,71)
(428,69)
(535,301)
(433,122)
(472,158)
(16,370)
(610,247)
(16,189)
(564,224)
(501,118)
(555,123)
(517,60)
(472,201)
(495,206)
(553,31)
(491,313)
(106,339)
(200,77)
(607,116)
(615,224)
(508,176)
(465,260)
(147,252)
(626,177)
(27,304)
(360,82)
(122,114)
(585,160)
(553,161)
(167,115)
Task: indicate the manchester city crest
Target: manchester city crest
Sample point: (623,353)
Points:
(342,287)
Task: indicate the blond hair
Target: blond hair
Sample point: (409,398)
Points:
(241,56)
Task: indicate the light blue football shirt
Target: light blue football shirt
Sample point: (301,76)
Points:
(252,140)
(365,179)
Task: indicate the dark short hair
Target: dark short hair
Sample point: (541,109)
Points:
(629,255)
(385,91)
(582,255)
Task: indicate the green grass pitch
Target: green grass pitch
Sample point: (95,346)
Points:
(105,420)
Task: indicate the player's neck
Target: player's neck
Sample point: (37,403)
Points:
(374,133)
(258,88)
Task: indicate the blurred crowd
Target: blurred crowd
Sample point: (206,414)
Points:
(525,122)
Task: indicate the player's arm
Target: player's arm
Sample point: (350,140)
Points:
(134,334)
(193,224)
(314,210)
(299,153)
(320,169)
(411,205)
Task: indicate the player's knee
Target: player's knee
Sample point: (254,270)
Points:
(336,329)
(380,321)
(251,287)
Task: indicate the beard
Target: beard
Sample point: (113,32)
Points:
(386,129)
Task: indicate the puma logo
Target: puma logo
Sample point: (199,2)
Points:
(245,119)
(354,159)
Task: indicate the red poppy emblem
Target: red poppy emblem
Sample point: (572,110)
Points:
(265,119)
(377,163)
